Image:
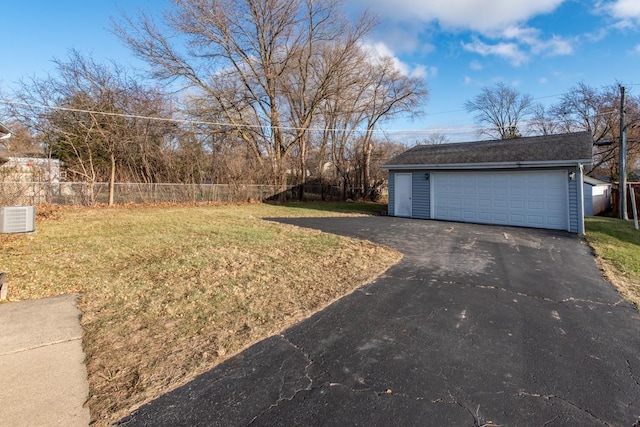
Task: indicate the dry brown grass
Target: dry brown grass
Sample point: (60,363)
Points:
(169,292)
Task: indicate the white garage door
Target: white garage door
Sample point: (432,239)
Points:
(529,199)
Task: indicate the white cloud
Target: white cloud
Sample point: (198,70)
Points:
(627,12)
(424,72)
(625,9)
(467,80)
(519,44)
(526,35)
(543,80)
(597,35)
(508,51)
(499,26)
(404,37)
(555,46)
(475,15)
(380,50)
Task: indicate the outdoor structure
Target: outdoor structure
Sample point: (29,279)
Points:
(30,169)
(528,182)
(5,133)
(597,196)
(28,180)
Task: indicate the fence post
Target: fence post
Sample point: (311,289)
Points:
(4,286)
(633,205)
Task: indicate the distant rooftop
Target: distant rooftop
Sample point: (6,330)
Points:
(4,132)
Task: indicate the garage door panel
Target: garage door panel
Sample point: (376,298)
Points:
(517,204)
(556,222)
(535,205)
(522,198)
(555,193)
(500,218)
(518,219)
(536,220)
(469,216)
(468,191)
(500,204)
(535,192)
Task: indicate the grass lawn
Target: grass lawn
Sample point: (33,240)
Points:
(169,292)
(617,244)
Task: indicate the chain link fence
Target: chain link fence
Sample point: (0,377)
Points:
(82,193)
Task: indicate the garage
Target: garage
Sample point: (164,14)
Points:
(538,199)
(526,182)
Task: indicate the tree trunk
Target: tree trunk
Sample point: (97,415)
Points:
(366,168)
(303,167)
(112,178)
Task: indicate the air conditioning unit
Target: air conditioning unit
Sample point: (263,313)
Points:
(17,219)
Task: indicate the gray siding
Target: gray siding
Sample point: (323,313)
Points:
(574,210)
(392,192)
(421,195)
(420,189)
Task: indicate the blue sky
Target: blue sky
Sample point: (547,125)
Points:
(541,47)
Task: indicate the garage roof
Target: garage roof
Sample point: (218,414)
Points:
(546,150)
(594,181)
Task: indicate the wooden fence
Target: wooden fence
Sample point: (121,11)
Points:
(615,198)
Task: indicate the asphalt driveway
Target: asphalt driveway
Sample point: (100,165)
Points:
(477,325)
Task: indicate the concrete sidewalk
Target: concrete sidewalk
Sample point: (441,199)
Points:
(43,379)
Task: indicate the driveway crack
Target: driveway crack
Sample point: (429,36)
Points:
(633,377)
(289,389)
(523,294)
(307,375)
(477,418)
(566,401)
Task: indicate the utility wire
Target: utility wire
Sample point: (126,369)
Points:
(227,124)
(465,128)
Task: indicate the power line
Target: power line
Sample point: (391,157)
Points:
(463,128)
(228,124)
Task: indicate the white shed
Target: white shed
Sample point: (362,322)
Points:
(597,196)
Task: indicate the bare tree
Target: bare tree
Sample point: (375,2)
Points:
(436,138)
(388,93)
(502,109)
(92,117)
(22,143)
(370,90)
(583,108)
(257,64)
(543,121)
(597,111)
